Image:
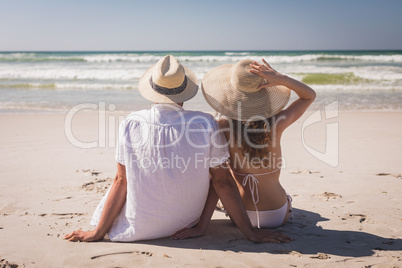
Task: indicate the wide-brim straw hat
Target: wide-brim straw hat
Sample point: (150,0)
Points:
(231,90)
(168,81)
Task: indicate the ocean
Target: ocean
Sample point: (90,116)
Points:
(47,82)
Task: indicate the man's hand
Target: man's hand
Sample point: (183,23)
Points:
(86,236)
(264,236)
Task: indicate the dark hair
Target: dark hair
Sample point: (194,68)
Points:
(248,134)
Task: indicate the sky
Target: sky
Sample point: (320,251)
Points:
(55,25)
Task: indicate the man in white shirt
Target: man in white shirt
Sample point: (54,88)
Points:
(167,157)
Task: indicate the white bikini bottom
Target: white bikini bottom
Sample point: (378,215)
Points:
(269,218)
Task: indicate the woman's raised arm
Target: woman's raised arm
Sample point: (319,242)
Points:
(273,78)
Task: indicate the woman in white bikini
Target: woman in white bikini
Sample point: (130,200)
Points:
(252,97)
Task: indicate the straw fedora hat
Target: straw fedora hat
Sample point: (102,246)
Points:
(232,90)
(168,81)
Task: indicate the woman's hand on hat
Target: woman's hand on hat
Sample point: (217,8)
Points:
(271,76)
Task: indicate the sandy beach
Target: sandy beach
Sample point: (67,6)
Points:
(349,215)
(71,71)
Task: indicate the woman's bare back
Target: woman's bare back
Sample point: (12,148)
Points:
(270,192)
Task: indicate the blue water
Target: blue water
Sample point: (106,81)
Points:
(56,81)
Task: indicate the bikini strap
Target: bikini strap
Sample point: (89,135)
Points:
(253,185)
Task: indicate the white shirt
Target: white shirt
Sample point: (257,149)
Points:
(167,152)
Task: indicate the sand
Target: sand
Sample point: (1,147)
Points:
(349,215)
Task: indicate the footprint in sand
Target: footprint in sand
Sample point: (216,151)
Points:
(399,176)
(328,195)
(290,252)
(63,215)
(321,256)
(98,185)
(295,253)
(6,264)
(67,215)
(304,172)
(352,215)
(145,253)
(93,171)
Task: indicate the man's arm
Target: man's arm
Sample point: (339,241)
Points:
(113,205)
(227,191)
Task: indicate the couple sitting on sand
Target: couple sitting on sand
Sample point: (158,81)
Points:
(174,164)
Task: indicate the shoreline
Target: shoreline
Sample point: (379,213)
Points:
(127,101)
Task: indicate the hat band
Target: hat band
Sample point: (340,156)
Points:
(168,91)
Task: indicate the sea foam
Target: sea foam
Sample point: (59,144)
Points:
(207,57)
(38,79)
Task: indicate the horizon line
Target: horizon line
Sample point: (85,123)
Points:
(208,50)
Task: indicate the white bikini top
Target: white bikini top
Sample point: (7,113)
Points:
(253,184)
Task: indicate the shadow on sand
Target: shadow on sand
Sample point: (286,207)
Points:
(309,239)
